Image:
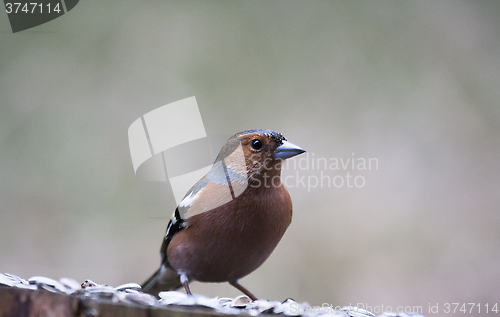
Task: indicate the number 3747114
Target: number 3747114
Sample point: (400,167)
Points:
(470,308)
(32,7)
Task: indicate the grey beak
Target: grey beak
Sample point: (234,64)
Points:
(287,150)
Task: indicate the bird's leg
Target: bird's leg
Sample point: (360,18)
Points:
(185,282)
(243,290)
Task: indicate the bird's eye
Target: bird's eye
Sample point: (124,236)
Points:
(256,144)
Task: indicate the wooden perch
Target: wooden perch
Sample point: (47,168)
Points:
(25,302)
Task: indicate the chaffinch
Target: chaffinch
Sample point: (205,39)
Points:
(232,219)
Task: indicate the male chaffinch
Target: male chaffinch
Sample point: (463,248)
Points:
(232,219)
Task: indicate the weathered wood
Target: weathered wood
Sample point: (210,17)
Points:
(24,302)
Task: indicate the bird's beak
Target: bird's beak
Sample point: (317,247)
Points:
(287,150)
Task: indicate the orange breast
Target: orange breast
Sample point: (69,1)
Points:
(232,240)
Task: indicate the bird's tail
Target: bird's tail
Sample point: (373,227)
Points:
(164,279)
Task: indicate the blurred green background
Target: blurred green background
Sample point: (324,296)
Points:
(414,84)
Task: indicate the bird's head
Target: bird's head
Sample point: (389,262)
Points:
(257,153)
(248,159)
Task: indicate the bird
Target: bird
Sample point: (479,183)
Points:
(232,219)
